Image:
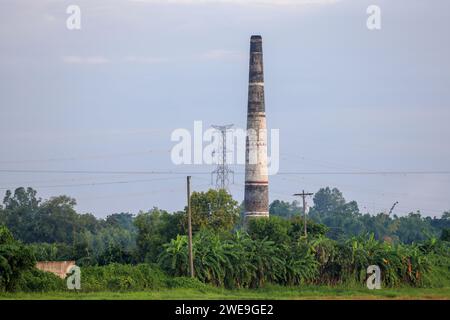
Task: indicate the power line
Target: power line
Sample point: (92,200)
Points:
(323,163)
(360,189)
(97,183)
(435,211)
(98,172)
(140,194)
(66,180)
(379,206)
(425,172)
(91,157)
(365,173)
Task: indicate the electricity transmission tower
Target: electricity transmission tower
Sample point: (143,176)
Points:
(222,170)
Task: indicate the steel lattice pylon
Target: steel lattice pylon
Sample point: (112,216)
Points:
(222,171)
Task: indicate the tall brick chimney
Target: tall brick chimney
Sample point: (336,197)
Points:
(256,197)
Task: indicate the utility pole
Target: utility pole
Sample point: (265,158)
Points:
(191,259)
(304,195)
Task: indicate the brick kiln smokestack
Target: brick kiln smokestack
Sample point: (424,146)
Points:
(256,175)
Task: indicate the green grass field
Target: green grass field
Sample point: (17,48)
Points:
(282,293)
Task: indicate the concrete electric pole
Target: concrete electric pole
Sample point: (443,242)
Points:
(191,259)
(304,195)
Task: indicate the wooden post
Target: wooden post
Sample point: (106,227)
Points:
(191,258)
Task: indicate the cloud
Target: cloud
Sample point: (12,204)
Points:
(144,60)
(85,60)
(241,2)
(49,17)
(93,60)
(214,54)
(223,54)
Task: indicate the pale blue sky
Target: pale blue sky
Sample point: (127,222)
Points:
(107,97)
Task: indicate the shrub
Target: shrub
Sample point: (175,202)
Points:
(274,229)
(120,277)
(284,230)
(39,281)
(185,282)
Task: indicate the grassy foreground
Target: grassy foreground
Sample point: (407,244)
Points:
(294,293)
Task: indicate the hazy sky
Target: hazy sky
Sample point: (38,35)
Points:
(108,96)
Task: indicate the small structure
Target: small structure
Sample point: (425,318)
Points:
(59,268)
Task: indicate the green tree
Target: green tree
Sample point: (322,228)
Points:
(155,228)
(284,209)
(214,209)
(56,221)
(328,200)
(275,229)
(413,228)
(20,209)
(282,230)
(121,220)
(15,259)
(445,236)
(22,198)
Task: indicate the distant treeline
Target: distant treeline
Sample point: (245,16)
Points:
(56,231)
(344,219)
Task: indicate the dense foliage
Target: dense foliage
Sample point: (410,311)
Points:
(285,257)
(150,250)
(15,259)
